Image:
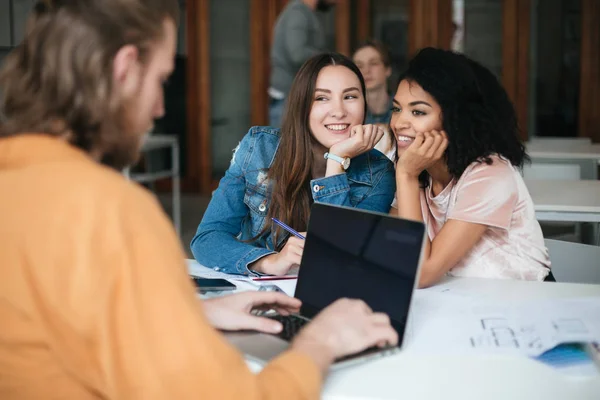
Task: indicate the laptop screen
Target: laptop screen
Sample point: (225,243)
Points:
(358,254)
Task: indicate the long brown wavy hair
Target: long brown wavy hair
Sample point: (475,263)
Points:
(59,80)
(291,170)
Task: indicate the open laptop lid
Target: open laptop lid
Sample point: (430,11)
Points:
(359,254)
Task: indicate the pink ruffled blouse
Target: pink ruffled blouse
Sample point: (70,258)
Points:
(494,195)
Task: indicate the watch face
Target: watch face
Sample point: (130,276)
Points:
(346,163)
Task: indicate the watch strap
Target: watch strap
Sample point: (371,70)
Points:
(334,157)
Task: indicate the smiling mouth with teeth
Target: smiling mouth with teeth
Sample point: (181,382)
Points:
(404,141)
(337,127)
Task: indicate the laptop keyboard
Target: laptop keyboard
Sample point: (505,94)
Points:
(366,352)
(291,325)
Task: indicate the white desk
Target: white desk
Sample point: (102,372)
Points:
(565,200)
(586,155)
(418,376)
(557,149)
(414,375)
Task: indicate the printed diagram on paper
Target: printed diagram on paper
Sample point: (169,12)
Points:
(535,327)
(500,333)
(464,325)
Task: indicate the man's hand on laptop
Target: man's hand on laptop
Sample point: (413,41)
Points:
(345,327)
(233,312)
(280,263)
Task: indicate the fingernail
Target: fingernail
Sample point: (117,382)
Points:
(276,328)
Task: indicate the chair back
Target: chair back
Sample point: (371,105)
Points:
(574,262)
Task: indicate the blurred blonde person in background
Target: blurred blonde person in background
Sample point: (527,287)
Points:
(373,60)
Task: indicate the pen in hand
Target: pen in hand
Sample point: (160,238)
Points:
(287,228)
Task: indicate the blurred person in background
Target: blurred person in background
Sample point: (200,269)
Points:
(298,35)
(373,60)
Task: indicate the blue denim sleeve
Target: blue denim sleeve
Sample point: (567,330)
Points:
(215,244)
(335,190)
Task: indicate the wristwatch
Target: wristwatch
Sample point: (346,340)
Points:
(345,161)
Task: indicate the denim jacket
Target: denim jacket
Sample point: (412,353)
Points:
(239,206)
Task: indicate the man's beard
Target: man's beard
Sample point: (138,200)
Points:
(124,149)
(323,5)
(123,154)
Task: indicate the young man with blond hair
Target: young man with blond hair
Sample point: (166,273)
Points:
(95,300)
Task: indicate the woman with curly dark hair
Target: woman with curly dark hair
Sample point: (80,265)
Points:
(458,171)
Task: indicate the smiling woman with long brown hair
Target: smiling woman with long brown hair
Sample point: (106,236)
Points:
(323,153)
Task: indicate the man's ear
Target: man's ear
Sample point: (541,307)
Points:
(388,72)
(126,68)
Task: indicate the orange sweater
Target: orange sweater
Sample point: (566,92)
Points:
(95,301)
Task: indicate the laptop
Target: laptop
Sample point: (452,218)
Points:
(348,253)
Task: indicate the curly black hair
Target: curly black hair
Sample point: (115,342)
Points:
(477,114)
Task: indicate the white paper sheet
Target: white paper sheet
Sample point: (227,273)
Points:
(204,272)
(242,282)
(450,323)
(287,285)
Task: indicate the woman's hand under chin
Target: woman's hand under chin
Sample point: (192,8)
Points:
(362,139)
(426,150)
